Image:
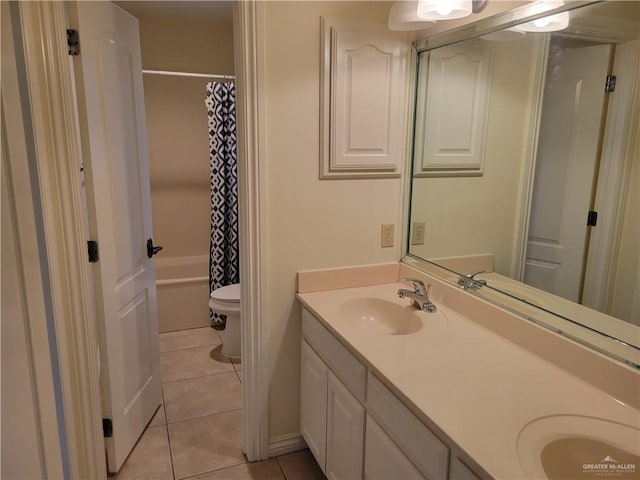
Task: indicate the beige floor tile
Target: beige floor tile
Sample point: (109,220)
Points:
(198,397)
(159,418)
(195,337)
(150,458)
(301,466)
(193,362)
(239,372)
(206,444)
(267,470)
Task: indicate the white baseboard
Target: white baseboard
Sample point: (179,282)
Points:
(286,444)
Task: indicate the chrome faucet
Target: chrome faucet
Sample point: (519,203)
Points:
(467,282)
(419,295)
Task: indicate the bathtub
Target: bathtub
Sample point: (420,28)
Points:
(182,285)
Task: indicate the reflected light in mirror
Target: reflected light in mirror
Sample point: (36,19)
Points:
(552,23)
(403,16)
(444,9)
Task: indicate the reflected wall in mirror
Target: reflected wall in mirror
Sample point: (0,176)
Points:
(516,142)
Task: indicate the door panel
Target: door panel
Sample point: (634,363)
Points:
(565,168)
(345,432)
(111,109)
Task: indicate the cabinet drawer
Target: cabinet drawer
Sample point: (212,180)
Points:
(338,358)
(422,447)
(383,460)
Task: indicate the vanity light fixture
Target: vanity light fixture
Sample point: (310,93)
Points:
(551,23)
(404,17)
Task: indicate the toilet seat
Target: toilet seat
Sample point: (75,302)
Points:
(226,301)
(230,293)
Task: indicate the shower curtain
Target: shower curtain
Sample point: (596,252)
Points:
(223,249)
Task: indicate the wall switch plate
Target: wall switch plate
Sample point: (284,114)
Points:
(386,232)
(417,233)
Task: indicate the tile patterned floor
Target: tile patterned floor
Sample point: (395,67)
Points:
(196,434)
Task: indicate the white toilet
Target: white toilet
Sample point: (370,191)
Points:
(226,301)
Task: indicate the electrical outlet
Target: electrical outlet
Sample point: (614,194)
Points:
(386,232)
(417,233)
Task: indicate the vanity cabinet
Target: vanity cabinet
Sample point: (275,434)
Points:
(331,419)
(332,414)
(355,426)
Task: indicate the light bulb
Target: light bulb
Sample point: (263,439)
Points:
(550,23)
(542,22)
(444,9)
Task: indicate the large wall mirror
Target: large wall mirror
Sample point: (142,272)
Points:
(526,164)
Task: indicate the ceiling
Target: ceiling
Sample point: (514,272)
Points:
(210,10)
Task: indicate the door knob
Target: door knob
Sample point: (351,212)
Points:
(152,249)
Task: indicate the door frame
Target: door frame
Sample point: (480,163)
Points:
(612,182)
(248,36)
(51,113)
(55,120)
(530,152)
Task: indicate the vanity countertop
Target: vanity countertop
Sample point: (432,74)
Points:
(467,382)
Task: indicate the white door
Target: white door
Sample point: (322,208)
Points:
(114,143)
(565,167)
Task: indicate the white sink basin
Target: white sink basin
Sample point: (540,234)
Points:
(574,446)
(383,317)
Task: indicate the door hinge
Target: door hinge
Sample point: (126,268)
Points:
(592,219)
(610,84)
(107,427)
(73,41)
(92,250)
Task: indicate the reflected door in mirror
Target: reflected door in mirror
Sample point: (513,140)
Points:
(568,149)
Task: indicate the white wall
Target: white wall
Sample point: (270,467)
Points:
(310,223)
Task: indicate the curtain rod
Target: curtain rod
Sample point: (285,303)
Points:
(187,74)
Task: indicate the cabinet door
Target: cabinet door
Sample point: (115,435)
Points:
(313,402)
(459,471)
(364,79)
(383,460)
(345,433)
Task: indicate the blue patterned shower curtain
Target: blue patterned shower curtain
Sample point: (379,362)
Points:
(223,250)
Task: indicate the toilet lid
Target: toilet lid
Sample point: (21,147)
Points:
(230,293)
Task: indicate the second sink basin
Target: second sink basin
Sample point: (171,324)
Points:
(383,317)
(572,446)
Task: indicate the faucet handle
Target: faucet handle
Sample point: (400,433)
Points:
(418,285)
(468,282)
(473,274)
